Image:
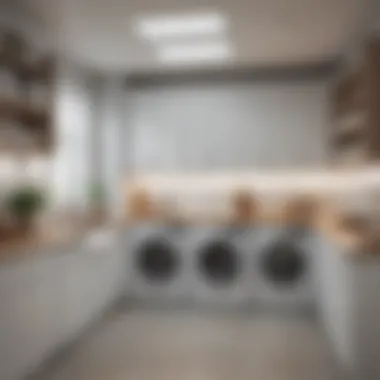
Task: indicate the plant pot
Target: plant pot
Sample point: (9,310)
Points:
(25,226)
(98,215)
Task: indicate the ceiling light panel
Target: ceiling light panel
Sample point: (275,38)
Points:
(194,53)
(180,26)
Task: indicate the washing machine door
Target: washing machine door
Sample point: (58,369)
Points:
(284,264)
(219,262)
(157,260)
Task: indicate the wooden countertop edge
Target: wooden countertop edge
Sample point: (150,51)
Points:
(34,245)
(355,243)
(349,240)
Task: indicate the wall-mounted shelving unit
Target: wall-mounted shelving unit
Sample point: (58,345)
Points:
(26,94)
(356,111)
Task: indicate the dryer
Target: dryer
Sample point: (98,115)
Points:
(157,265)
(220,271)
(282,275)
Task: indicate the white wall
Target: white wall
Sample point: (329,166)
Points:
(71,167)
(72,161)
(67,172)
(228,126)
(110,131)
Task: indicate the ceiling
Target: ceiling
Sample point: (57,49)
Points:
(261,32)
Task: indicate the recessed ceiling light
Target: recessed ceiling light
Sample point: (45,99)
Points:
(194,53)
(187,25)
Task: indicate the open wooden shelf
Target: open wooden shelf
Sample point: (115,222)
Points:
(24,113)
(343,138)
(356,104)
(26,98)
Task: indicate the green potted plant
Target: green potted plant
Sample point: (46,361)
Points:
(97,203)
(24,204)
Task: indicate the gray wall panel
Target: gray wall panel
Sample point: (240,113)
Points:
(231,126)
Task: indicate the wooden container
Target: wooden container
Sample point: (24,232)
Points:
(300,211)
(140,205)
(355,223)
(245,208)
(371,241)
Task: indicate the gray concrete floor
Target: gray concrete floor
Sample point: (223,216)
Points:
(147,345)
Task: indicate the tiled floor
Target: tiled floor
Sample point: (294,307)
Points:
(145,345)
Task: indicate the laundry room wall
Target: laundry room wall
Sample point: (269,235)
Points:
(74,122)
(92,137)
(111,140)
(15,15)
(67,171)
(229,125)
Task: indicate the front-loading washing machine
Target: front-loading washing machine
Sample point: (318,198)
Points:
(158,269)
(220,272)
(282,275)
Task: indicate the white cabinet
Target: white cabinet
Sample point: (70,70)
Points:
(16,282)
(46,302)
(350,307)
(90,285)
(76,294)
(30,314)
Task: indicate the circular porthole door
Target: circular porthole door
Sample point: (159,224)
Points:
(219,263)
(298,232)
(157,260)
(283,264)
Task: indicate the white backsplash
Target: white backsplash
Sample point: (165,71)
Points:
(204,194)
